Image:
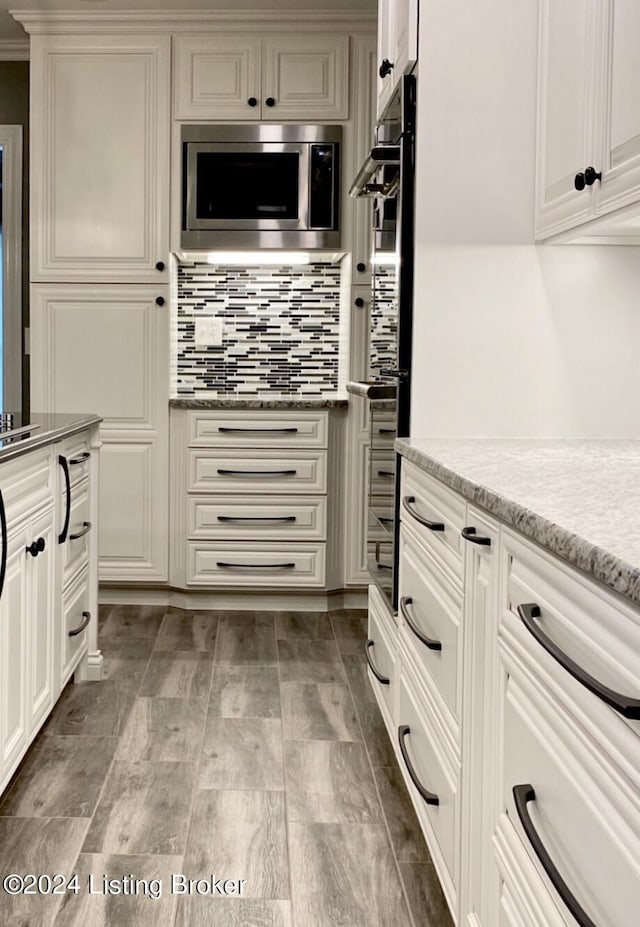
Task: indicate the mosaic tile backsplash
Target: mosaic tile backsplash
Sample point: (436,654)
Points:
(383,327)
(281,332)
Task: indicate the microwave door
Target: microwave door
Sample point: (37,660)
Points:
(257,186)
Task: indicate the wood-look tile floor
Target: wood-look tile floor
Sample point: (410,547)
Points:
(240,745)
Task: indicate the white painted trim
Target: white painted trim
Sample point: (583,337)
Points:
(11,142)
(16,50)
(55,23)
(229,601)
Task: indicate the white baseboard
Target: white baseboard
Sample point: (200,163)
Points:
(234,601)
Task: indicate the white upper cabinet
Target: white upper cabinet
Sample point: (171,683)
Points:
(588,156)
(397,44)
(99,157)
(248,77)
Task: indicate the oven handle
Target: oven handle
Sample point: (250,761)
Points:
(377,157)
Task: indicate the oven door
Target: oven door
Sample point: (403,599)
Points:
(261,186)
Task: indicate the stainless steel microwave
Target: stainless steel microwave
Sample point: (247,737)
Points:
(261,186)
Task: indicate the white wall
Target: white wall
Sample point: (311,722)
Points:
(510,338)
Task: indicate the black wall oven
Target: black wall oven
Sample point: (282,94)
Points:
(388,178)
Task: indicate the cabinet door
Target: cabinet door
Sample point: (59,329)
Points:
(40,611)
(216,77)
(13,656)
(306,76)
(619,159)
(404,29)
(105,349)
(385,83)
(99,156)
(566,104)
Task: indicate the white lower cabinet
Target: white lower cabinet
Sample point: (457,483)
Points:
(512,735)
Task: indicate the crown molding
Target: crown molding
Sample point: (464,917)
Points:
(14,50)
(37,22)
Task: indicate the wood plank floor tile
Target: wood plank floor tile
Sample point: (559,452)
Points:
(424,895)
(350,633)
(164,729)
(356,669)
(226,912)
(375,735)
(330,782)
(344,874)
(177,675)
(146,879)
(245,692)
(184,630)
(246,644)
(144,809)
(96,709)
(310,661)
(406,836)
(303,626)
(131,621)
(125,661)
(240,835)
(248,619)
(242,753)
(318,711)
(60,777)
(36,845)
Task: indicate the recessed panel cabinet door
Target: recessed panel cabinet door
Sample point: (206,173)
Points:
(104,350)
(307,77)
(13,655)
(99,157)
(217,77)
(41,623)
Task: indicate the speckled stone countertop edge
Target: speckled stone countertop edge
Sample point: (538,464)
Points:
(53,428)
(258,403)
(599,564)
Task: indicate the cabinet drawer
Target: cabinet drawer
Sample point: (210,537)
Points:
(262,428)
(266,517)
(264,471)
(26,483)
(430,614)
(77,451)
(427,500)
(75,620)
(380,650)
(255,565)
(432,768)
(75,550)
(589,830)
(382,472)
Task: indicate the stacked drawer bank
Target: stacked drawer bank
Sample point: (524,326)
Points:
(510,685)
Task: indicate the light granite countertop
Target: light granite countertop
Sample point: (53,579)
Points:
(579,499)
(50,427)
(255,402)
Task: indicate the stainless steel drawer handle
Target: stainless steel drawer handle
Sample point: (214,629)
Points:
(224,472)
(430,797)
(81,627)
(86,528)
(408,502)
(628,707)
(522,795)
(74,461)
(258,518)
(405,601)
(376,672)
(258,431)
(469,534)
(254,566)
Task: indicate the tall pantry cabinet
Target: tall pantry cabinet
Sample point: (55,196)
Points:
(100,120)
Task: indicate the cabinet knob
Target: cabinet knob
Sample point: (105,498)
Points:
(36,547)
(160,265)
(270,101)
(579,181)
(359,302)
(159,300)
(591,175)
(252,101)
(361,267)
(385,68)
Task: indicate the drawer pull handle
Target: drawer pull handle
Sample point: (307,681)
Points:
(86,528)
(74,461)
(223,472)
(255,566)
(522,795)
(62,537)
(386,431)
(261,518)
(628,707)
(405,601)
(81,627)
(376,672)
(3,531)
(429,797)
(432,525)
(469,534)
(389,474)
(258,431)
